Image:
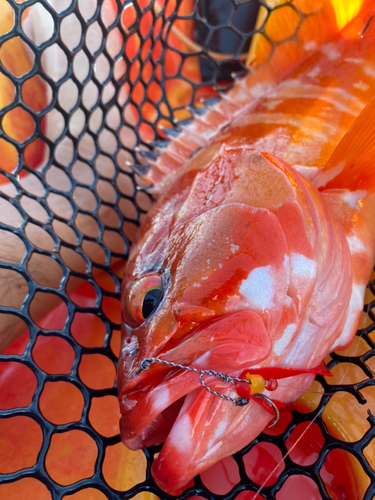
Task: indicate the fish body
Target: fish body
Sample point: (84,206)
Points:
(255,257)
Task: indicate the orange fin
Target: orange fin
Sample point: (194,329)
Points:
(352,164)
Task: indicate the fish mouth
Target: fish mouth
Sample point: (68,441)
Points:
(197,427)
(170,405)
(150,419)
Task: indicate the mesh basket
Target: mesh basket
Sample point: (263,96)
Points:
(87,87)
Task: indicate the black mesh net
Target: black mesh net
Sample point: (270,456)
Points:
(85,86)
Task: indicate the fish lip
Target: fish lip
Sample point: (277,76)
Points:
(145,396)
(138,414)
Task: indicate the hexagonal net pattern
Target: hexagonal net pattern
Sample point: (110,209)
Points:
(86,86)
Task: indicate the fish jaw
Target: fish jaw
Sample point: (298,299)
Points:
(207,429)
(227,345)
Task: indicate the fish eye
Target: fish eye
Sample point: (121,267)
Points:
(150,301)
(141,299)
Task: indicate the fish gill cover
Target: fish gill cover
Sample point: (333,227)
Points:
(86,90)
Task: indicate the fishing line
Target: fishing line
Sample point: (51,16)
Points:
(307,428)
(286,454)
(147,362)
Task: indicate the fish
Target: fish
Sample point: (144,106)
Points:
(254,260)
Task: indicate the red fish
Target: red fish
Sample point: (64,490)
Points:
(254,261)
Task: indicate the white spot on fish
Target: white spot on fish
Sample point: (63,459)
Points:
(351,198)
(208,261)
(370,71)
(323,178)
(283,342)
(259,90)
(302,266)
(202,361)
(204,278)
(330,50)
(257,288)
(212,339)
(311,45)
(355,307)
(181,433)
(234,248)
(337,97)
(314,72)
(196,285)
(162,400)
(308,172)
(307,124)
(286,262)
(354,60)
(272,104)
(355,244)
(361,86)
(219,431)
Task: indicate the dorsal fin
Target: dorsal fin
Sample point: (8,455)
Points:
(270,63)
(352,164)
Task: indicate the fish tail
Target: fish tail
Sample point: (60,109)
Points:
(352,164)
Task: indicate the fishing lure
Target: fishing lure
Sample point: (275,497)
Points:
(254,260)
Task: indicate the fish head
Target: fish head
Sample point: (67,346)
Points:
(206,286)
(204,253)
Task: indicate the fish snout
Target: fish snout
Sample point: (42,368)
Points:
(140,343)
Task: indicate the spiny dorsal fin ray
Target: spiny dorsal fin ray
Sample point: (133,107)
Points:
(352,164)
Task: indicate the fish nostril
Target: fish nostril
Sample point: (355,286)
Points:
(131,346)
